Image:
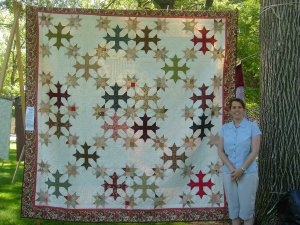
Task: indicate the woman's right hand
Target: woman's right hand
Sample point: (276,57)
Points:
(236,174)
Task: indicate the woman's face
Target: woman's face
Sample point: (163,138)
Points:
(237,111)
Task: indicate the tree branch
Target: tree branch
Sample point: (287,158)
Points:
(109,4)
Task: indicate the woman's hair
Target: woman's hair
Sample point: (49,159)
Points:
(237,100)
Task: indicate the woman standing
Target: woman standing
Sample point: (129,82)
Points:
(238,147)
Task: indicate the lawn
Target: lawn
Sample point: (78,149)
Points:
(10,198)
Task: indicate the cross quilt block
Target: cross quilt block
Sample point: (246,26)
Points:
(128,105)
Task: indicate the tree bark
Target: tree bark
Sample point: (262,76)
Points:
(279,158)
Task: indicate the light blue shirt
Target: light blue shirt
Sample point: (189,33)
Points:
(237,143)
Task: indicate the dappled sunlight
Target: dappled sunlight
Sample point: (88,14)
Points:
(13,188)
(5,175)
(13,146)
(6,163)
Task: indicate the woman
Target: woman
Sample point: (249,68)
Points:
(238,148)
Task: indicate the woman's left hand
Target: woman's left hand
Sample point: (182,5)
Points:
(236,174)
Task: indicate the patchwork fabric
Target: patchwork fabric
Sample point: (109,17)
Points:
(5,123)
(128,109)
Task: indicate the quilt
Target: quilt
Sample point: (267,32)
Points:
(128,106)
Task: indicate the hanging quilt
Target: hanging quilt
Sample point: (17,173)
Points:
(5,123)
(128,105)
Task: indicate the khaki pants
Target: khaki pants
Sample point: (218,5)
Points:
(241,195)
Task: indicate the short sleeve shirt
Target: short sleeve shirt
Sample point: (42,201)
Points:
(237,143)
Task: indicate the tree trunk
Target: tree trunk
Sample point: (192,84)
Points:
(279,158)
(208,4)
(165,4)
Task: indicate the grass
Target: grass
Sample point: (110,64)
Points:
(10,197)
